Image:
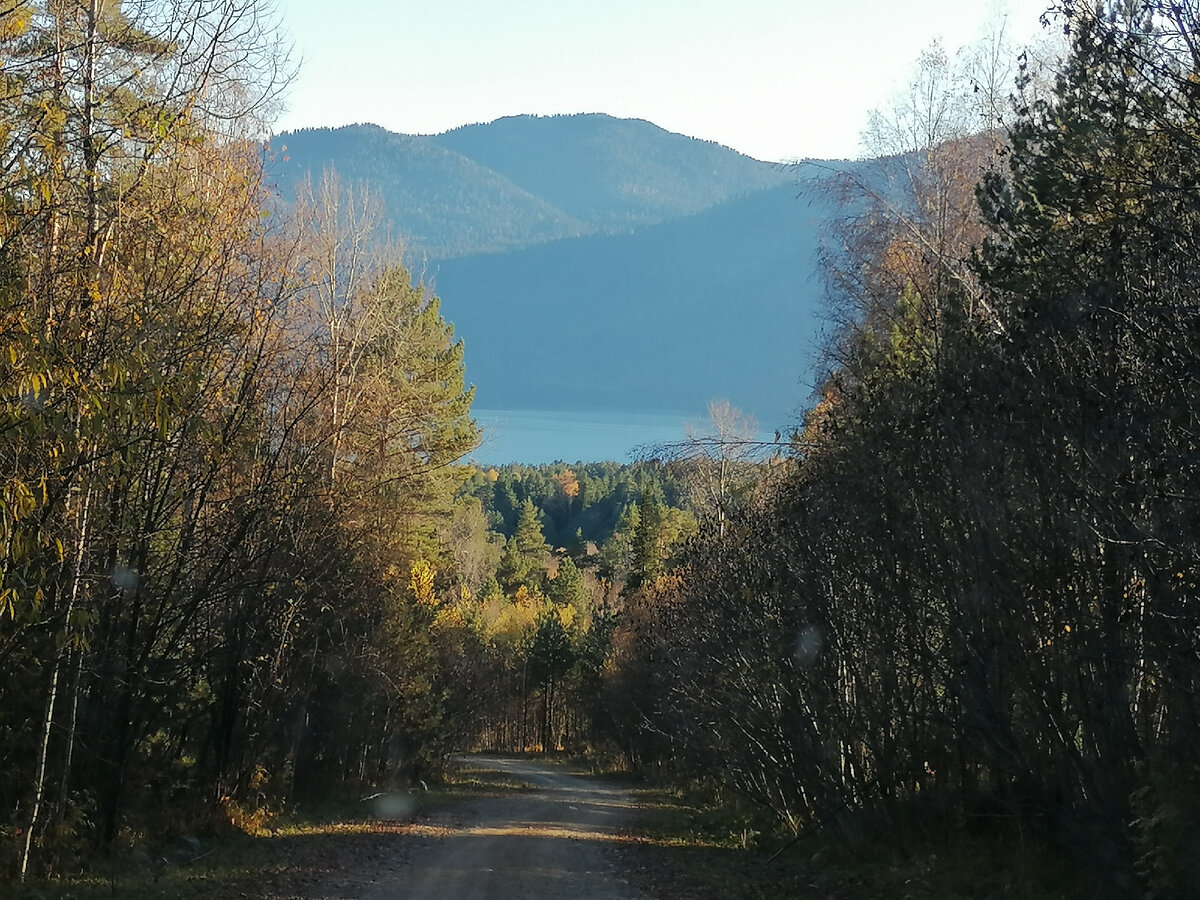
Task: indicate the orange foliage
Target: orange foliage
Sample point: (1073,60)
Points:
(568,483)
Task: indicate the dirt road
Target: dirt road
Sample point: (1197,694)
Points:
(549,841)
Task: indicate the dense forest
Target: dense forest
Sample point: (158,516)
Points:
(244,566)
(226,438)
(970,605)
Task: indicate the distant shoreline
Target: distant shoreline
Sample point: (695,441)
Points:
(540,436)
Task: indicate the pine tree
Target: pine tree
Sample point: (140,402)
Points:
(567,589)
(528,534)
(649,551)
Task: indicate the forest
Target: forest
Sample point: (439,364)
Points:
(245,564)
(227,438)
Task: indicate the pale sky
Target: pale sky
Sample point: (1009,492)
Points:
(776,79)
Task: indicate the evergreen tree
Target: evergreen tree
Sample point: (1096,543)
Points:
(567,589)
(551,655)
(528,534)
(649,542)
(616,554)
(514,567)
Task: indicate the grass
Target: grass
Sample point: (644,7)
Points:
(687,844)
(463,779)
(292,861)
(335,846)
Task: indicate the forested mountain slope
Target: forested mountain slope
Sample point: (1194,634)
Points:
(596,263)
(523,180)
(612,173)
(438,201)
(722,304)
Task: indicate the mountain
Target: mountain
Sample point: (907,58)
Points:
(595,263)
(615,174)
(720,304)
(443,203)
(523,180)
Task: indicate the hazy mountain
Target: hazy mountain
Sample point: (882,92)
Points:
(721,304)
(523,180)
(593,263)
(612,173)
(441,202)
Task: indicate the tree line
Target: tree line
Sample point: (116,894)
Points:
(968,602)
(542,558)
(227,435)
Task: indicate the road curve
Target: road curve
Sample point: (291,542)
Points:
(548,842)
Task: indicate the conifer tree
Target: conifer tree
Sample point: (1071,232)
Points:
(528,534)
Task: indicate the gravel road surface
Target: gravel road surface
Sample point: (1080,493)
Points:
(551,841)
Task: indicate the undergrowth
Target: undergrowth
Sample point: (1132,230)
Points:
(696,841)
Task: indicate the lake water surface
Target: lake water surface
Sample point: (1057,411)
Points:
(535,436)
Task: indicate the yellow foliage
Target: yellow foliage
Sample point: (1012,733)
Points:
(508,622)
(19,501)
(819,417)
(251,820)
(568,483)
(15,21)
(421,580)
(667,582)
(8,602)
(901,258)
(449,617)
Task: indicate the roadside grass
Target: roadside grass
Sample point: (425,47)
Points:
(695,844)
(686,843)
(328,848)
(294,860)
(463,778)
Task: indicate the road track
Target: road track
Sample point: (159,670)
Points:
(552,840)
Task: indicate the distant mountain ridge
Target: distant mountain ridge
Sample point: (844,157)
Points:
(443,203)
(612,173)
(595,263)
(524,180)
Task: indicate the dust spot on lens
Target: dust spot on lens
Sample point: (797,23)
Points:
(35,397)
(125,578)
(808,645)
(395,806)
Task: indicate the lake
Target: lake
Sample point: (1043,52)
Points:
(536,436)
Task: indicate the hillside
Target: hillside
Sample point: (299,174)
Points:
(599,264)
(524,180)
(613,173)
(441,202)
(721,304)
